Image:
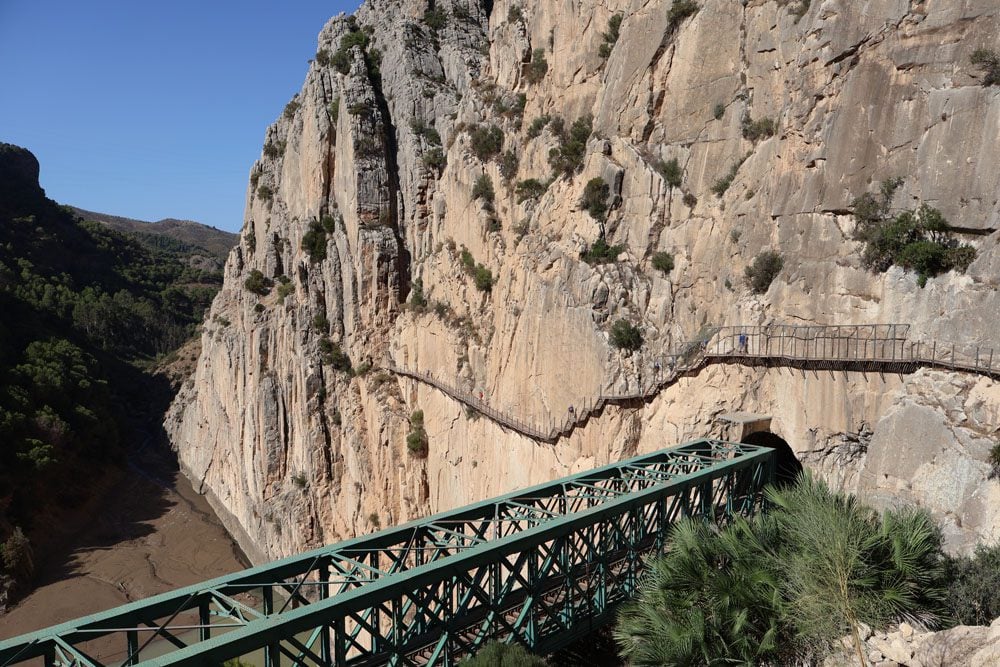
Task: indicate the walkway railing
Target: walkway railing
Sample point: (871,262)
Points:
(862,347)
(689,358)
(884,347)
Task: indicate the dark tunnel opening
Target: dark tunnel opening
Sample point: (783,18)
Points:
(787,466)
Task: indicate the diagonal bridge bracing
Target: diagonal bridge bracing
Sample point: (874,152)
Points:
(541,566)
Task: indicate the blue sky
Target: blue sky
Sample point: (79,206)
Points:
(152,109)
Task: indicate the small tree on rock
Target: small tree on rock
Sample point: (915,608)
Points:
(595,199)
(989,62)
(663,261)
(626,336)
(763,271)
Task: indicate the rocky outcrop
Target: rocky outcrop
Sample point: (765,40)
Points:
(961,646)
(365,188)
(19,188)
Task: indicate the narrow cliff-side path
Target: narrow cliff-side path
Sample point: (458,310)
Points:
(872,348)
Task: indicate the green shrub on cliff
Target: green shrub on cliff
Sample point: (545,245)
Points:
(626,336)
(610,38)
(257,283)
(765,268)
(486,141)
(483,189)
(314,241)
(917,240)
(416,440)
(663,261)
(341,58)
(536,68)
(595,199)
(989,62)
(16,555)
(530,188)
(974,586)
(670,170)
(567,158)
(483,278)
(755,130)
(680,10)
(601,253)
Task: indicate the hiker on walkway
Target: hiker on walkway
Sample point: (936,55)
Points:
(743,343)
(572,412)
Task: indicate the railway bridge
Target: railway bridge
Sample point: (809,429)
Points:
(542,566)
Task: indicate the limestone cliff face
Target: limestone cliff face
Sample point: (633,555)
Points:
(375,156)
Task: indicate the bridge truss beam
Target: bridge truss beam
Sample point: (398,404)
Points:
(541,566)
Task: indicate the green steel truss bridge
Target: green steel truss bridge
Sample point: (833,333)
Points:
(542,566)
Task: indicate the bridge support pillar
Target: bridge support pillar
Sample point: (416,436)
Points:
(735,426)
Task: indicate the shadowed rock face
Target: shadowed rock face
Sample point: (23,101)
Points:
(365,185)
(18,179)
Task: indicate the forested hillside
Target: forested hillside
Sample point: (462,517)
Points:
(200,241)
(86,313)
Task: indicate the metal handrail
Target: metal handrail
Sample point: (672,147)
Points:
(855,346)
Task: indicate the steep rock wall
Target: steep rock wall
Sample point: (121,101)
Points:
(295,452)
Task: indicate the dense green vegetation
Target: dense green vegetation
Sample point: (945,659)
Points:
(973,596)
(567,158)
(508,165)
(626,336)
(486,141)
(530,188)
(680,10)
(483,189)
(595,198)
(537,125)
(670,170)
(917,240)
(435,159)
(483,278)
(763,270)
(416,440)
(755,130)
(989,62)
(610,38)
(86,310)
(536,68)
(341,58)
(785,585)
(663,261)
(601,253)
(496,654)
(720,186)
(315,239)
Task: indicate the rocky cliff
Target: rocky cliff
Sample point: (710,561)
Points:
(371,237)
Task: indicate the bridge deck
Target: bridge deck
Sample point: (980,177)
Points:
(538,566)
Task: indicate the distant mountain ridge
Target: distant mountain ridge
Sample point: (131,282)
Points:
(215,241)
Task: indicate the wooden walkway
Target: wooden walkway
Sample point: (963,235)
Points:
(874,348)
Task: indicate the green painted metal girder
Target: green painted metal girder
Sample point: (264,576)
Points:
(515,525)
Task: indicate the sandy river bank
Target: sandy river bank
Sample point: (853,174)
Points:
(152,533)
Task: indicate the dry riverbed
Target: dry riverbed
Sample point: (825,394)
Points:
(151,534)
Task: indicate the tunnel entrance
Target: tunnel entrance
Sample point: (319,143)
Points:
(787,466)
